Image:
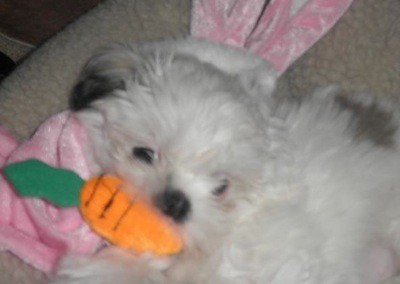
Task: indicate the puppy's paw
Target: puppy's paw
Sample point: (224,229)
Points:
(298,269)
(109,266)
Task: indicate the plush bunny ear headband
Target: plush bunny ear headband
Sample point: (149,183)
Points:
(39,232)
(280,31)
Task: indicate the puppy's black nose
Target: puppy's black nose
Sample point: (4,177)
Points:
(174,203)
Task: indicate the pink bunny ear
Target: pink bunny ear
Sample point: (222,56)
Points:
(293,34)
(225,21)
(279,31)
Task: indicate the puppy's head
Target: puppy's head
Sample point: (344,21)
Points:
(185,132)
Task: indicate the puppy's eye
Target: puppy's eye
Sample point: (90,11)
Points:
(221,190)
(144,154)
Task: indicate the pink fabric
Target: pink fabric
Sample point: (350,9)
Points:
(280,31)
(34,230)
(7,144)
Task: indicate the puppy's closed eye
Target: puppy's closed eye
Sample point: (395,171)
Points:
(144,154)
(222,189)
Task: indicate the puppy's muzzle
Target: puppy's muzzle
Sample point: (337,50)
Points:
(174,203)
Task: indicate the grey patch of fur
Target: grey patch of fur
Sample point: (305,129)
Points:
(370,122)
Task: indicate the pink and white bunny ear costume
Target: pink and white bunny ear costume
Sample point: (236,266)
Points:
(280,31)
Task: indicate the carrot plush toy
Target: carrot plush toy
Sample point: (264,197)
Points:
(128,221)
(125,221)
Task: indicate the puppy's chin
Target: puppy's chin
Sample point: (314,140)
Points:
(204,237)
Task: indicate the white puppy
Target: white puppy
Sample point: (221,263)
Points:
(264,188)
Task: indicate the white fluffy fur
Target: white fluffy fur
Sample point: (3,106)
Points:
(307,202)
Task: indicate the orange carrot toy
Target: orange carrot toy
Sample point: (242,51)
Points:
(128,222)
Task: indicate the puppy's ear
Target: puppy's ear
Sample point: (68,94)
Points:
(105,73)
(92,88)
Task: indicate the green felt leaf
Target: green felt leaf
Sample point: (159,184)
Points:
(33,178)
